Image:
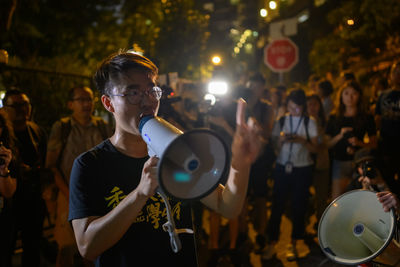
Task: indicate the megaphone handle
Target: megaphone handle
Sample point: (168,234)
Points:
(150,151)
(174,239)
(170,225)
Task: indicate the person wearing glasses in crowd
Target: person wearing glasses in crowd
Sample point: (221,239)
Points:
(69,137)
(116,216)
(29,206)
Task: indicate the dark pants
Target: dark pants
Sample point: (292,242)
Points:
(30,213)
(389,164)
(6,235)
(389,170)
(294,186)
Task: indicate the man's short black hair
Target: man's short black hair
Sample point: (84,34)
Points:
(71,92)
(364,154)
(326,87)
(298,97)
(117,64)
(349,76)
(10,92)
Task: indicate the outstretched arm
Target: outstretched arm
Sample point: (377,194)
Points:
(228,200)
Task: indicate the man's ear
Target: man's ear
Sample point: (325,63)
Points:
(106,100)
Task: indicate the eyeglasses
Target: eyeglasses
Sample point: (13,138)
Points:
(18,105)
(134,96)
(82,100)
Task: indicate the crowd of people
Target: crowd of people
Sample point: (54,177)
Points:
(34,171)
(302,146)
(313,135)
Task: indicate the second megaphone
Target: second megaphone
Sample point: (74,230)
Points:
(191,164)
(355,229)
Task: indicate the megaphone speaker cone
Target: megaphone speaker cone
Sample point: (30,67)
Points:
(354,228)
(188,174)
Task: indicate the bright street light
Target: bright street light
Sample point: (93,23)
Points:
(216,60)
(263,12)
(217,87)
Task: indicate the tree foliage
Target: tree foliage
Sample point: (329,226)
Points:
(374,23)
(73,36)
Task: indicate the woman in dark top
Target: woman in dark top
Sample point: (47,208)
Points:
(346,129)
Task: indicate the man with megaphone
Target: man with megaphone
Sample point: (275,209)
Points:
(116,215)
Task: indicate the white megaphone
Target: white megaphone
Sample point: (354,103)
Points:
(191,165)
(355,229)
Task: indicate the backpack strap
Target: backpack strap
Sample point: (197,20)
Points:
(306,120)
(65,131)
(282,121)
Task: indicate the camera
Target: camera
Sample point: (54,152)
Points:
(348,135)
(368,169)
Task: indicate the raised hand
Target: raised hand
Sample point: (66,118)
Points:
(247,140)
(388,200)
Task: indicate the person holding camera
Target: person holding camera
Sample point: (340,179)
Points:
(295,135)
(31,142)
(366,174)
(368,177)
(346,129)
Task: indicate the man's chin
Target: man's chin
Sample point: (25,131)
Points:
(146,114)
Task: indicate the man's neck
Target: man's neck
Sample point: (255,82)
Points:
(19,126)
(82,120)
(130,144)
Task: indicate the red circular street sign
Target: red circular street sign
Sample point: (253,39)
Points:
(281,55)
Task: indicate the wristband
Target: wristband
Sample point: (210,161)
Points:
(6,174)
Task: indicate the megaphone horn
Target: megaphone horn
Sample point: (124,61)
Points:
(355,229)
(191,164)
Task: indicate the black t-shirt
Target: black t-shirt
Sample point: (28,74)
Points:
(28,152)
(361,125)
(100,179)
